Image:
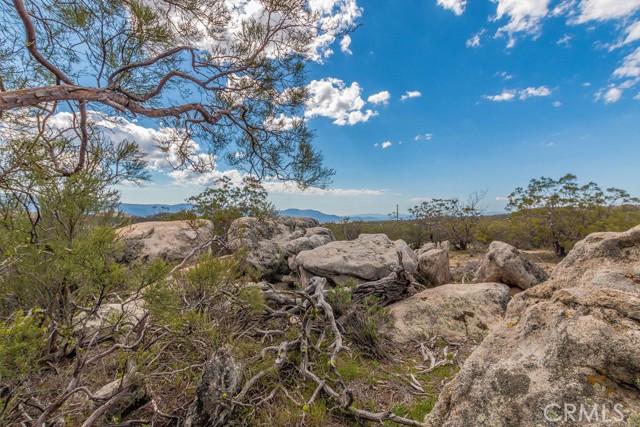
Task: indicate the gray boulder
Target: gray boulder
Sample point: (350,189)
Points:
(567,347)
(171,241)
(433,267)
(369,257)
(426,247)
(455,312)
(505,264)
(272,241)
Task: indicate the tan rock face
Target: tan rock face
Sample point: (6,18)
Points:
(271,242)
(433,267)
(455,312)
(571,342)
(171,241)
(367,258)
(505,264)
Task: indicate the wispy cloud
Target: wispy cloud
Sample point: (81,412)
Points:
(565,40)
(424,137)
(476,39)
(503,75)
(522,94)
(410,94)
(507,95)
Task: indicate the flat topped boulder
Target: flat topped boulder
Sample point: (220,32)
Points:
(455,312)
(505,264)
(572,340)
(369,257)
(272,241)
(171,241)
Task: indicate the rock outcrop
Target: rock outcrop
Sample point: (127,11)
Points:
(369,257)
(568,351)
(433,267)
(505,264)
(455,312)
(171,241)
(272,241)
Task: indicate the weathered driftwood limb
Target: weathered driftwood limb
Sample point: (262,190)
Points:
(317,325)
(398,285)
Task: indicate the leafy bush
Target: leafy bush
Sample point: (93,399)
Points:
(22,341)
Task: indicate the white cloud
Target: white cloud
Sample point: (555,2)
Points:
(331,98)
(630,67)
(557,104)
(323,20)
(565,40)
(586,84)
(601,10)
(611,96)
(502,198)
(380,98)
(386,144)
(522,94)
(507,95)
(633,33)
(282,122)
(410,94)
(534,91)
(189,177)
(563,8)
(524,16)
(425,137)
(286,187)
(503,75)
(334,15)
(474,41)
(345,43)
(456,6)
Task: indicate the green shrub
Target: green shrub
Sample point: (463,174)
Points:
(22,342)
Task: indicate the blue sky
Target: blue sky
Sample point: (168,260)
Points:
(549,88)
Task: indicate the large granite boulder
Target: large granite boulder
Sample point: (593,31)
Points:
(568,352)
(171,241)
(455,312)
(369,257)
(505,264)
(272,241)
(433,267)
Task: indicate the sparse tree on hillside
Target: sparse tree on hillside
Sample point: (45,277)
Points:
(562,210)
(227,202)
(218,73)
(456,220)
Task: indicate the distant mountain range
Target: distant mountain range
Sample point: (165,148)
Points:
(323,217)
(138,209)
